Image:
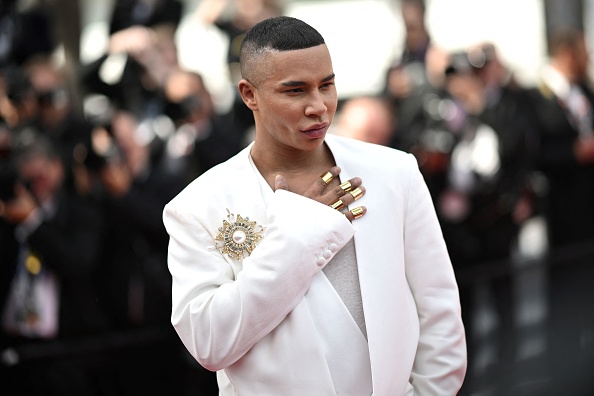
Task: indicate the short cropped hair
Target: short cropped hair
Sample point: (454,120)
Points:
(281,33)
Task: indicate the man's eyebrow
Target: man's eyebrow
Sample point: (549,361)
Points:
(300,83)
(330,77)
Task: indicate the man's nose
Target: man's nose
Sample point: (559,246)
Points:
(316,105)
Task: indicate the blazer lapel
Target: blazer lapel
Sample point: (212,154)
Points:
(341,340)
(384,289)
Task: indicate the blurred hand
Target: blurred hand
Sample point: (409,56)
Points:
(135,41)
(116,178)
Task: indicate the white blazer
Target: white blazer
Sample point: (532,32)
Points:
(272,324)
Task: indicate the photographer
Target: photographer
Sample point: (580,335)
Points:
(203,138)
(135,283)
(35,98)
(49,242)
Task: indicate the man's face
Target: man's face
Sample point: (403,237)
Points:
(295,99)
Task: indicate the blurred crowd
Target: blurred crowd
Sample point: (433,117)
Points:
(84,287)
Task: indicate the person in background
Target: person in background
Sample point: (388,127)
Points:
(564,103)
(417,39)
(202,138)
(19,105)
(427,118)
(309,263)
(50,241)
(140,54)
(134,284)
(487,193)
(366,118)
(58,117)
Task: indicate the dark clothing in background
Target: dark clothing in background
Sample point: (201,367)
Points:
(131,92)
(127,13)
(135,279)
(489,231)
(570,201)
(134,91)
(24,34)
(68,244)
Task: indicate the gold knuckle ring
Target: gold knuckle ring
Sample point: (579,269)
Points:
(357,212)
(327,177)
(346,186)
(337,205)
(356,193)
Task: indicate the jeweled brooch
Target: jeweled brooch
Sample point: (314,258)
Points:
(238,236)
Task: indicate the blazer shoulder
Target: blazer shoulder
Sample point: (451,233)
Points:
(354,147)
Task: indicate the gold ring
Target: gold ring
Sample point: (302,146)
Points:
(356,193)
(337,205)
(327,177)
(346,186)
(357,212)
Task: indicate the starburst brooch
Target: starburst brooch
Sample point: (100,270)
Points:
(238,236)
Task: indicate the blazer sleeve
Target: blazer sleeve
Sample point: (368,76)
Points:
(440,363)
(218,315)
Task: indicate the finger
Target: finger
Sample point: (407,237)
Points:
(347,186)
(348,198)
(355,213)
(280,183)
(324,180)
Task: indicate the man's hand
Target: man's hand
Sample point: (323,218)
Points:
(332,193)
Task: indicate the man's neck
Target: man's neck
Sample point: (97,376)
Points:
(300,168)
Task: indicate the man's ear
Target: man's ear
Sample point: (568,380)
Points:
(248,95)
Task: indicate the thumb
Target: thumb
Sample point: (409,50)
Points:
(280,183)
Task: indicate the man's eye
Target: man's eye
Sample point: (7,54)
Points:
(327,85)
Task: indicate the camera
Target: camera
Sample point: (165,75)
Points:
(182,110)
(99,148)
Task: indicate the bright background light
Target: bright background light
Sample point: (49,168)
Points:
(364,37)
(516,27)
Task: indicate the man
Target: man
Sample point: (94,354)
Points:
(134,281)
(564,105)
(270,289)
(50,239)
(486,197)
(367,118)
(202,138)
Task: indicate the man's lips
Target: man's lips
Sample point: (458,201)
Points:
(316,130)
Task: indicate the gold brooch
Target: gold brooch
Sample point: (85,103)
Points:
(238,236)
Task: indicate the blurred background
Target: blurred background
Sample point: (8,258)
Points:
(109,108)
